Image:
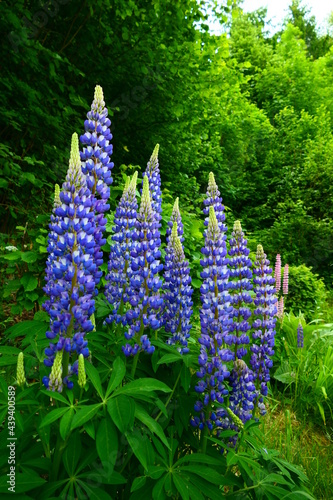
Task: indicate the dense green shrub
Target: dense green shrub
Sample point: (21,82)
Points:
(307,292)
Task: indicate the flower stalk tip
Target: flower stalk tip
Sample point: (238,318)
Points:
(82,378)
(20,374)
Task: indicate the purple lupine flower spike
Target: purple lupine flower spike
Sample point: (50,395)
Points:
(300,336)
(285,279)
(96,165)
(214,319)
(213,199)
(177,293)
(175,217)
(70,270)
(153,173)
(277,273)
(120,253)
(263,325)
(144,283)
(239,286)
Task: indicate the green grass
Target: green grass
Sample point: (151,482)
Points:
(303,444)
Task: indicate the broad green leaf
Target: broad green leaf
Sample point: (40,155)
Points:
(93,492)
(138,483)
(94,377)
(206,473)
(72,453)
(182,486)
(153,426)
(143,385)
(53,416)
(117,375)
(169,358)
(107,442)
(65,423)
(29,257)
(84,414)
(138,443)
(55,395)
(29,282)
(121,410)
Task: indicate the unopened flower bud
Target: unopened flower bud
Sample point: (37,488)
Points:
(82,379)
(20,375)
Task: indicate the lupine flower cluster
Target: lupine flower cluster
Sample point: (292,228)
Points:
(143,274)
(239,287)
(300,336)
(277,276)
(263,325)
(70,274)
(214,321)
(96,165)
(120,254)
(177,293)
(229,391)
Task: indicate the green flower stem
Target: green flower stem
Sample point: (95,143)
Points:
(135,362)
(60,447)
(204,433)
(172,393)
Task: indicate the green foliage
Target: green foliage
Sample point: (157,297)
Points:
(306,292)
(306,374)
(127,437)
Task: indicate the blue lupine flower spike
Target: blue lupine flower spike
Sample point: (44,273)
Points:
(120,253)
(214,320)
(175,217)
(177,293)
(154,177)
(97,166)
(300,336)
(263,325)
(70,272)
(142,292)
(239,286)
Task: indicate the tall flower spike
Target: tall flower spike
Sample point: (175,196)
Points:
(213,199)
(153,173)
(177,293)
(70,271)
(175,217)
(120,253)
(277,273)
(285,279)
(280,308)
(239,285)
(214,319)
(300,336)
(82,379)
(97,166)
(20,374)
(263,326)
(144,283)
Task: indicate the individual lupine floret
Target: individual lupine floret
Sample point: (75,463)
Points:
(97,166)
(20,374)
(239,287)
(154,177)
(263,325)
(143,273)
(82,379)
(119,259)
(214,319)
(285,279)
(177,293)
(71,290)
(213,199)
(300,336)
(277,273)
(175,217)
